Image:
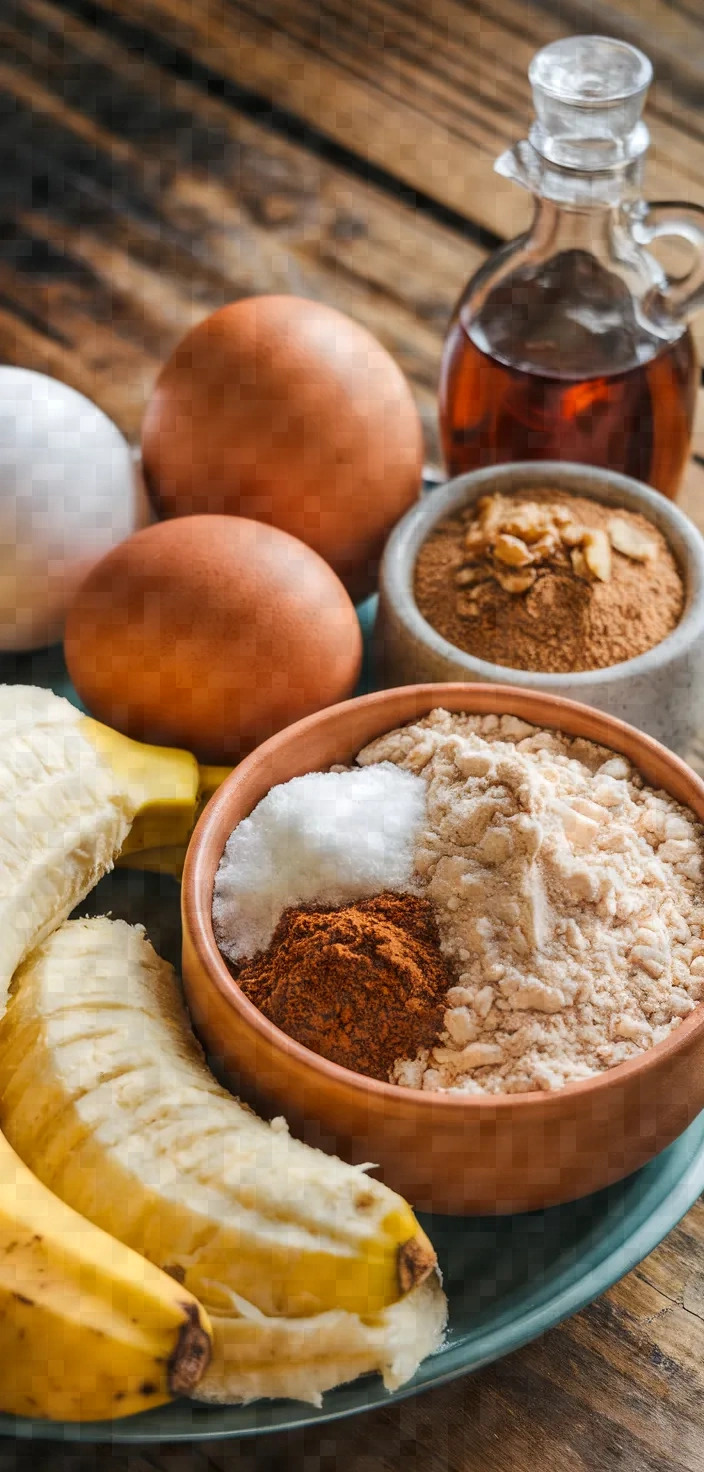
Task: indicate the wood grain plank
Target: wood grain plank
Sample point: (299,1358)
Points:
(559,1403)
(431,93)
(232,195)
(354,92)
(691,495)
(156,204)
(378,242)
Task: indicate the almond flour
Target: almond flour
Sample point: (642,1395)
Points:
(569,900)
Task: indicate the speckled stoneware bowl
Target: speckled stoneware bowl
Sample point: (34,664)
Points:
(444,1152)
(661,691)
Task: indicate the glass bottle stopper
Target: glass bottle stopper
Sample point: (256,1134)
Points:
(588,93)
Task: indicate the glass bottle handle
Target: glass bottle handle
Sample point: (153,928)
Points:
(683,296)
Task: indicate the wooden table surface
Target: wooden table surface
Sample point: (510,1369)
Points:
(161,157)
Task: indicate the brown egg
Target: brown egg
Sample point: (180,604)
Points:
(287,411)
(211,632)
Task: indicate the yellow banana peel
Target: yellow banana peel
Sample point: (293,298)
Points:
(88,1329)
(167,787)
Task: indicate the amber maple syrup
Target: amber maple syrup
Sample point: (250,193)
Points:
(637,421)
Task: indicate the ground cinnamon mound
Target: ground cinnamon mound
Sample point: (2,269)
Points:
(548,617)
(362,985)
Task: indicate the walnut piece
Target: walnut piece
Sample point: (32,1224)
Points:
(597,554)
(527,521)
(468,575)
(511,551)
(476,542)
(572,534)
(467,606)
(628,540)
(491,509)
(546,546)
(515,582)
(508,539)
(579,564)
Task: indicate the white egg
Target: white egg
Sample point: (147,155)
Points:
(69,491)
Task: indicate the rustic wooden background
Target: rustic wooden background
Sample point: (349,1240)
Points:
(161,157)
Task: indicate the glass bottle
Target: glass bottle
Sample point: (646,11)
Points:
(571,342)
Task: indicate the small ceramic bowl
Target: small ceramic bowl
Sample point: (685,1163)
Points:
(661,691)
(454,1153)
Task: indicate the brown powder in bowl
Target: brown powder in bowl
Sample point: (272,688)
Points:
(362,985)
(539,581)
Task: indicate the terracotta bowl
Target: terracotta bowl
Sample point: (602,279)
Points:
(515,1152)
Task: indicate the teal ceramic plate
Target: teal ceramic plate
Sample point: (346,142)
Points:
(507,1279)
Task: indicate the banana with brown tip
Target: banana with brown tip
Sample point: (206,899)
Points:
(88,1329)
(303,1263)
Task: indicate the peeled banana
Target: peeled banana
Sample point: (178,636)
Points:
(73,795)
(88,1329)
(302,1262)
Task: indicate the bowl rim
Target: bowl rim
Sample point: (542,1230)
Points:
(608,487)
(197,918)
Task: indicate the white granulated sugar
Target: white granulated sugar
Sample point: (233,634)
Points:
(327,838)
(569,899)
